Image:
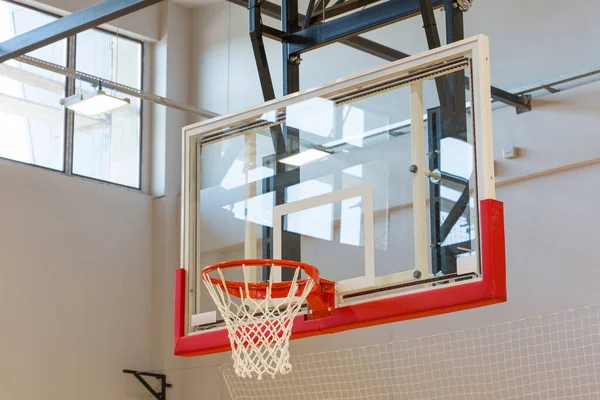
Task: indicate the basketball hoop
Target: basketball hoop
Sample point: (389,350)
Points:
(260,316)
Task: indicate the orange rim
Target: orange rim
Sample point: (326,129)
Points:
(258,290)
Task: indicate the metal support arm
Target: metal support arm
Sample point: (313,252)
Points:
(70,25)
(356,23)
(341,7)
(309,12)
(290,23)
(433,41)
(359,43)
(262,65)
(520,102)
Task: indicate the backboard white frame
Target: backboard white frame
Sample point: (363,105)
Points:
(476,47)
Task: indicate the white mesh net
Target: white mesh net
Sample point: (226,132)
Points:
(259,329)
(553,356)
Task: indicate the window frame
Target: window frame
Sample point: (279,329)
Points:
(68,115)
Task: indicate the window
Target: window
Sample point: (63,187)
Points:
(108,147)
(36,129)
(32,128)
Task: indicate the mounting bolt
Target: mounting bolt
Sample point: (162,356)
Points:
(435,176)
(294,59)
(310,312)
(417,274)
(527,106)
(413,169)
(329,309)
(463,5)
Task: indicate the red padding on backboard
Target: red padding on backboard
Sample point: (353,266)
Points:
(179,304)
(493,248)
(490,289)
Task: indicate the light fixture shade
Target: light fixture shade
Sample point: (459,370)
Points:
(95,104)
(304,157)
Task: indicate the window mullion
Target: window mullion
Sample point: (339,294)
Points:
(69,114)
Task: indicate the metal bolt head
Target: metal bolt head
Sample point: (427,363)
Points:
(417,274)
(435,176)
(413,169)
(329,309)
(463,5)
(295,60)
(310,312)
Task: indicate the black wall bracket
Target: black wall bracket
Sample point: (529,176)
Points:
(162,394)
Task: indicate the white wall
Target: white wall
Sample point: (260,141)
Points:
(87,270)
(210,50)
(171,72)
(549,195)
(74,287)
(81,293)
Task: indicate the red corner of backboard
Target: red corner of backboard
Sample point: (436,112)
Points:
(493,248)
(193,345)
(490,289)
(179,314)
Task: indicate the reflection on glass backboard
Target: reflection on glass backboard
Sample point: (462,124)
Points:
(366,140)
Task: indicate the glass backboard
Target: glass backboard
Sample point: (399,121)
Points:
(375,179)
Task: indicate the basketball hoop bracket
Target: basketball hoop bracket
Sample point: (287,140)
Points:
(321,303)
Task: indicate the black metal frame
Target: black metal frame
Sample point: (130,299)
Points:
(302,33)
(290,22)
(346,29)
(162,394)
(447,120)
(354,24)
(285,139)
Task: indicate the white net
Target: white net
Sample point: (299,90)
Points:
(259,329)
(553,356)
